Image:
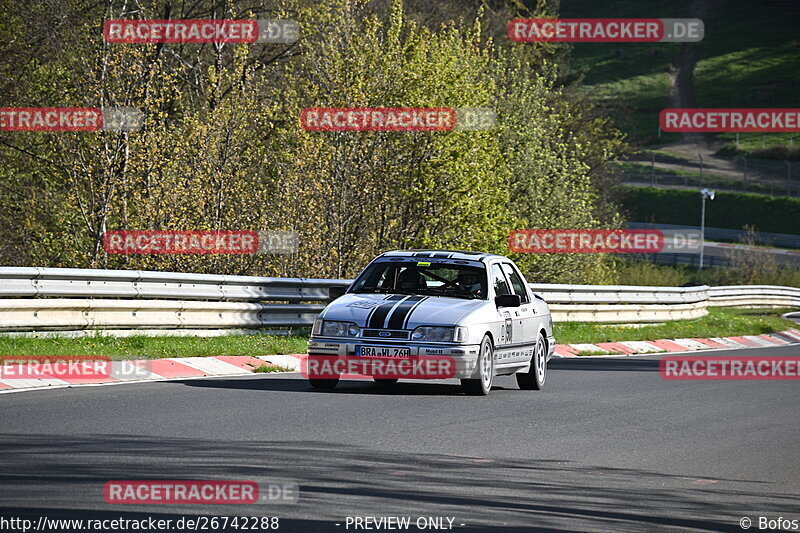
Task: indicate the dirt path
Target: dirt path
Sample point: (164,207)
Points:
(687,154)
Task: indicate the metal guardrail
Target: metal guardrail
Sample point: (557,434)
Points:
(692,260)
(754,296)
(34,282)
(75,299)
(42,299)
(622,303)
(619,294)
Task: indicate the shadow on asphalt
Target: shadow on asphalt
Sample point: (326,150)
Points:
(268,382)
(63,476)
(605,364)
(408,388)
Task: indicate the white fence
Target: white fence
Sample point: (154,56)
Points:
(42,299)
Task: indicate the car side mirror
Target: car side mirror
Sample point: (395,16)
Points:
(508,300)
(335,292)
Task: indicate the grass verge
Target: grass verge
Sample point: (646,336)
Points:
(268,369)
(142,347)
(747,58)
(718,323)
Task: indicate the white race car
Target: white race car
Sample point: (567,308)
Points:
(475,309)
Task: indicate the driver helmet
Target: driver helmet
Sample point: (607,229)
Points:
(409,280)
(468,281)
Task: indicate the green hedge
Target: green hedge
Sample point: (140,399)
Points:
(727,210)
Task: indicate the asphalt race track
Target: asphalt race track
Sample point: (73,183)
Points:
(608,446)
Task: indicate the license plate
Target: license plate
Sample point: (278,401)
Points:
(382,351)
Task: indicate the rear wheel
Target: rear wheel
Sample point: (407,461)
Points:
(534,378)
(482,386)
(323,383)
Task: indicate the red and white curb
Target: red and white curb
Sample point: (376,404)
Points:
(181,368)
(174,368)
(790,336)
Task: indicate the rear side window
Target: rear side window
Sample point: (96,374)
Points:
(499,280)
(516,282)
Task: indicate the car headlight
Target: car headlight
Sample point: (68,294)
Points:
(433,334)
(331,328)
(316,329)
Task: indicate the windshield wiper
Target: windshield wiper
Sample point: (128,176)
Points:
(382,291)
(467,295)
(448,294)
(371,290)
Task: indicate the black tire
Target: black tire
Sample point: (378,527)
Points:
(534,378)
(385,382)
(323,383)
(483,385)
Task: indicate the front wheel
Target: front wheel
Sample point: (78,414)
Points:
(482,386)
(534,378)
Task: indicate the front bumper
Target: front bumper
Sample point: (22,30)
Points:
(465,356)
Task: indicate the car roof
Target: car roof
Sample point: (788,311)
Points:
(443,254)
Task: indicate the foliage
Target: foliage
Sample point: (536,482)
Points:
(221,146)
(648,274)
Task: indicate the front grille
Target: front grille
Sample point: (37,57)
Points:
(376,334)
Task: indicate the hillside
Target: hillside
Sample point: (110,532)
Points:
(749,57)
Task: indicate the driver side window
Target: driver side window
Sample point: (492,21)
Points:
(499,281)
(516,282)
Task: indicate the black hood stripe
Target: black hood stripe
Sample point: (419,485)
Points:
(410,312)
(379,314)
(400,313)
(372,311)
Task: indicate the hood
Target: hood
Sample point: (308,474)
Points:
(399,311)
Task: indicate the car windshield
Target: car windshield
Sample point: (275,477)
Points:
(423,278)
